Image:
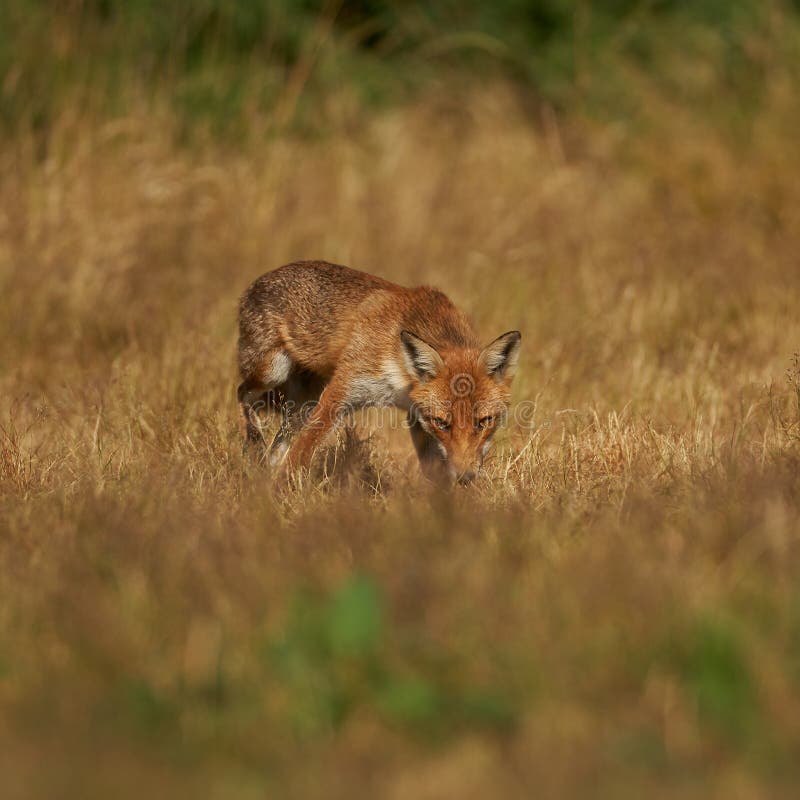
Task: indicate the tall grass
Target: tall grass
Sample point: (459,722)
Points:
(611,610)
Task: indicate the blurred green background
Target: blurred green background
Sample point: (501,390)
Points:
(219,62)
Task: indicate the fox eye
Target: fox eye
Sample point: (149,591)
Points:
(441,424)
(484,422)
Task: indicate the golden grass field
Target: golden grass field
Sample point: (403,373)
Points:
(613,610)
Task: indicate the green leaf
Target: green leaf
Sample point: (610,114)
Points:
(355,621)
(409,700)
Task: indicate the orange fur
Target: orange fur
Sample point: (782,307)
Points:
(343,339)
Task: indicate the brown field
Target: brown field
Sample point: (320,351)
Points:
(612,611)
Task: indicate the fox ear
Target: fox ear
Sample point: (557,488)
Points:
(421,358)
(499,358)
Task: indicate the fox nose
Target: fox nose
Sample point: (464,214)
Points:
(466,477)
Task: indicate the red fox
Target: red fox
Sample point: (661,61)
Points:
(314,335)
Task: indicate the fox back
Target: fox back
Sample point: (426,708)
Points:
(318,339)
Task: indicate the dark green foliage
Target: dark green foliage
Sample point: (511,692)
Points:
(340,653)
(709,659)
(217,61)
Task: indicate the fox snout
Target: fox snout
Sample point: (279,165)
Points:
(466,477)
(454,473)
(464,463)
(463,457)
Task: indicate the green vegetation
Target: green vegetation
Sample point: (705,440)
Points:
(219,62)
(708,659)
(336,656)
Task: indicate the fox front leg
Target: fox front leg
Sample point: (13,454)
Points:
(323,419)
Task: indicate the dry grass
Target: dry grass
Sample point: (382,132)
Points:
(612,611)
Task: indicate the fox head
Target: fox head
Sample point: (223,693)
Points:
(459,399)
